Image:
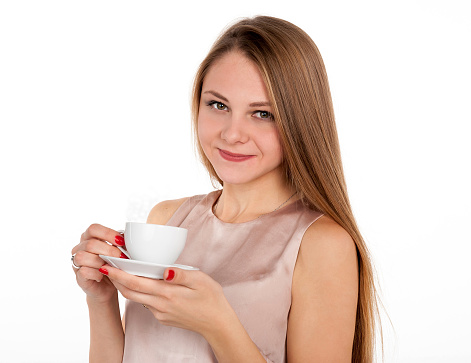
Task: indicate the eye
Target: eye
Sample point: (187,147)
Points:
(264,115)
(217,105)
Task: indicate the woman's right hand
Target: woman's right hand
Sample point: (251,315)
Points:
(86,256)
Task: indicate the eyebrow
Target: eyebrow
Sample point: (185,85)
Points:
(218,95)
(253,104)
(260,104)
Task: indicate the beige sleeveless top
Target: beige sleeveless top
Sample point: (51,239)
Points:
(253,262)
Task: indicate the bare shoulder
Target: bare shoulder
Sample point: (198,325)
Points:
(326,240)
(324,295)
(163,211)
(327,252)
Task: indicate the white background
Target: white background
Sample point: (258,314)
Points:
(95,127)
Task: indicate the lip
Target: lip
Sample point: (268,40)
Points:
(227,155)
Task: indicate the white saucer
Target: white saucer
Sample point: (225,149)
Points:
(140,268)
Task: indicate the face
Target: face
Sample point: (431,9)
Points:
(235,125)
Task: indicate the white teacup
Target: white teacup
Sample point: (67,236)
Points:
(154,243)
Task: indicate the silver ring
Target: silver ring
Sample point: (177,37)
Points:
(73,264)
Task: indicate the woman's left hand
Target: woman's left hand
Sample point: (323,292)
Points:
(185,299)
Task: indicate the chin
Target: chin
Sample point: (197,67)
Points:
(234,180)
(239,178)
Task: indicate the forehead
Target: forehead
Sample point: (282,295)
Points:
(234,75)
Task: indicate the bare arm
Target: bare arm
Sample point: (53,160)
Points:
(106,332)
(231,343)
(324,296)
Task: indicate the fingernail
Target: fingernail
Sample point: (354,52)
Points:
(119,240)
(170,275)
(124,256)
(104,271)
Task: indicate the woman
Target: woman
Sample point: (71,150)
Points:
(284,272)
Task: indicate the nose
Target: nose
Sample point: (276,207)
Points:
(235,130)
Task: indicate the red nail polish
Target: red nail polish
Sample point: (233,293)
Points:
(170,275)
(119,240)
(104,271)
(124,256)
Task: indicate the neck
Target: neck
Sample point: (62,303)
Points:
(242,203)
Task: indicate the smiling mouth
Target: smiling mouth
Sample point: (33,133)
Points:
(227,155)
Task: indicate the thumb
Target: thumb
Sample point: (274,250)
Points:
(169,274)
(178,276)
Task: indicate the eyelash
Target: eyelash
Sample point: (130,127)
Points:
(213,104)
(269,115)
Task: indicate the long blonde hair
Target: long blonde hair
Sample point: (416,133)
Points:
(298,89)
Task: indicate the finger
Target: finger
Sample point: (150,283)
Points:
(130,294)
(138,284)
(85,274)
(181,277)
(87,259)
(157,303)
(149,302)
(135,288)
(99,247)
(94,247)
(97,231)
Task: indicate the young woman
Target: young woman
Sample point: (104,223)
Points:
(284,275)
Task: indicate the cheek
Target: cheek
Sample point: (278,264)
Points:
(204,132)
(272,143)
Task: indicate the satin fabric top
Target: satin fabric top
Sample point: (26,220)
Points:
(253,262)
